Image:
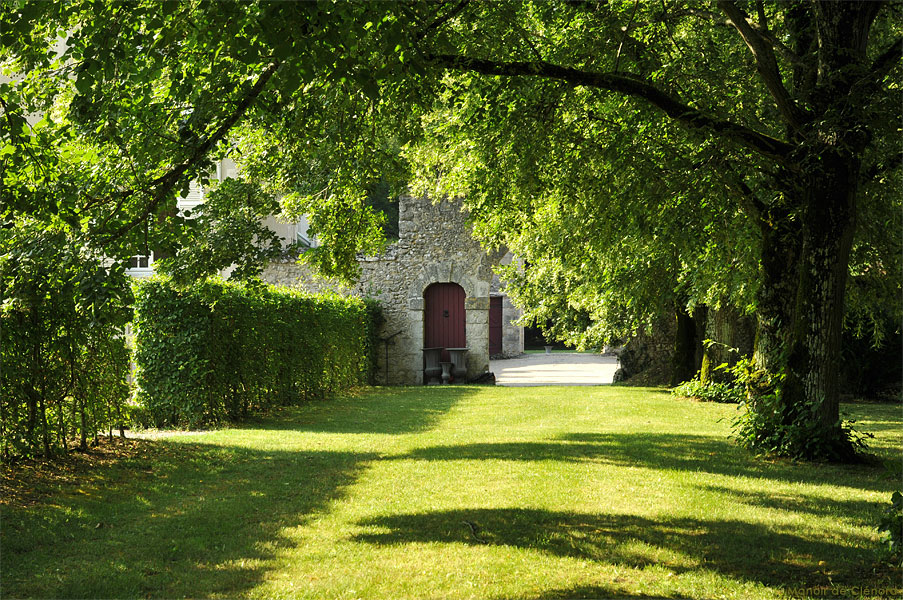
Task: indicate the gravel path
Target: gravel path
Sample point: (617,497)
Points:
(558,368)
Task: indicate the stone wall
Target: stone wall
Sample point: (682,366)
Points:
(435,246)
(512,334)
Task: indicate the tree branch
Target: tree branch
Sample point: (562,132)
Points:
(887,60)
(718,19)
(636,5)
(161,187)
(763,20)
(629,86)
(439,22)
(750,203)
(766,64)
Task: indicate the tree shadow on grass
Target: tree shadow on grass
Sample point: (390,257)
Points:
(608,593)
(863,513)
(706,454)
(379,411)
(175,520)
(599,592)
(741,550)
(722,456)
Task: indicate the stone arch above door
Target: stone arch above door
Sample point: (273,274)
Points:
(476,305)
(447,272)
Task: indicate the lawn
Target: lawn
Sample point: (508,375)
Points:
(453,492)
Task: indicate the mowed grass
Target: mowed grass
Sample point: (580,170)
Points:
(458,492)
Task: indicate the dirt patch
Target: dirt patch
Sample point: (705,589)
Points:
(27,482)
(159,434)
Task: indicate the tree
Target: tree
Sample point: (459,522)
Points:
(797,145)
(603,141)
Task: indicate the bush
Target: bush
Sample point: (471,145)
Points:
(709,392)
(771,425)
(63,358)
(216,351)
(891,527)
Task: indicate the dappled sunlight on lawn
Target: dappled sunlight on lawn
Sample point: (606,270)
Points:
(454,492)
(202,518)
(678,544)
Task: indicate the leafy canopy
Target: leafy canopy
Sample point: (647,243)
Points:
(622,149)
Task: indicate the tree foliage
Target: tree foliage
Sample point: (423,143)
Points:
(638,156)
(226,232)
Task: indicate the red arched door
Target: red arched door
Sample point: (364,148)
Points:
(443,317)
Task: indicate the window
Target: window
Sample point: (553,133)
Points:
(141,265)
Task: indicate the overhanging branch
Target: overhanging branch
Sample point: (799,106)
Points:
(887,60)
(767,35)
(629,86)
(440,21)
(161,187)
(752,206)
(766,64)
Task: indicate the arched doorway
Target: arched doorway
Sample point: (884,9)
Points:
(443,317)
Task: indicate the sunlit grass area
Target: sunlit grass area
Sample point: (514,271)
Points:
(455,492)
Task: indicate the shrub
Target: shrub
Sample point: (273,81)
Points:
(891,527)
(63,359)
(215,351)
(709,392)
(771,425)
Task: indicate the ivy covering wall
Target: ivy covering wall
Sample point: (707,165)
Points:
(216,351)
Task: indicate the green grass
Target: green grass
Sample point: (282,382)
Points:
(455,492)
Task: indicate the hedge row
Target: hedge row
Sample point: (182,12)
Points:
(63,359)
(60,383)
(215,351)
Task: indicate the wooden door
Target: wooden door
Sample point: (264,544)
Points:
(495,325)
(443,317)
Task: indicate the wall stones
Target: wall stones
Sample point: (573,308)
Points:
(435,246)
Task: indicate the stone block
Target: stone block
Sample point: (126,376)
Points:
(476,303)
(478,317)
(481,288)
(415,304)
(457,274)
(432,275)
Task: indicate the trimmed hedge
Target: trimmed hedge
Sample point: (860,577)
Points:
(216,351)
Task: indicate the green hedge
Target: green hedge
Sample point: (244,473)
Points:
(64,363)
(60,383)
(215,351)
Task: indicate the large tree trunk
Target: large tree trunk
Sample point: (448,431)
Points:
(731,334)
(684,363)
(779,267)
(814,353)
(807,240)
(801,302)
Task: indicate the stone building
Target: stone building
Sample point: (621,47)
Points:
(436,286)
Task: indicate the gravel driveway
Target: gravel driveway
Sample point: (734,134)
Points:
(558,368)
